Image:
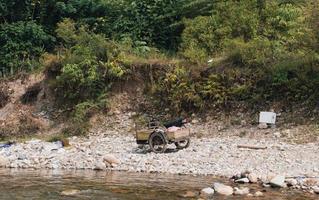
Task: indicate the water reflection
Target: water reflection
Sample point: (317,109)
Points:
(44,184)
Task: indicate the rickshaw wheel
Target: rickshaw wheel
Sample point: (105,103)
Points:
(157,142)
(182,144)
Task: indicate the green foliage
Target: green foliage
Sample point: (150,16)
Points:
(178,90)
(90,64)
(205,36)
(21,44)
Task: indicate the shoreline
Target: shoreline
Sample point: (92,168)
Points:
(216,157)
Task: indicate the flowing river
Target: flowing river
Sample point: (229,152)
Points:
(48,184)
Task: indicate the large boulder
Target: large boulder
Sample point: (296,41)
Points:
(223,189)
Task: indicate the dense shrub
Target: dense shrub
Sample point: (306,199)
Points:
(89,66)
(21,44)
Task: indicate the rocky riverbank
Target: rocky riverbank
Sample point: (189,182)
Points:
(205,156)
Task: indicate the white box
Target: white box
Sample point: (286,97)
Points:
(267,117)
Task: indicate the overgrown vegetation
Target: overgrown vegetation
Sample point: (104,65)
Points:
(231,53)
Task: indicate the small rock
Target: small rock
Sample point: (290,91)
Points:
(241,191)
(291,182)
(258,194)
(262,126)
(223,189)
(278,181)
(277,134)
(195,121)
(242,180)
(253,178)
(207,192)
(243,122)
(266,185)
(71,192)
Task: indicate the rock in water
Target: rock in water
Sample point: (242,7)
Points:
(242,180)
(223,189)
(253,178)
(189,194)
(207,192)
(258,194)
(241,191)
(71,192)
(278,181)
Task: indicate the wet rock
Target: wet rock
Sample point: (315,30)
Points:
(207,192)
(242,180)
(223,189)
(258,194)
(278,181)
(241,191)
(253,178)
(71,192)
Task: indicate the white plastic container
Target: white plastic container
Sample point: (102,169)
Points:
(267,117)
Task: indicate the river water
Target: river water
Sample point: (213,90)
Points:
(43,184)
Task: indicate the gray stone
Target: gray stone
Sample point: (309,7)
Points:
(278,181)
(241,191)
(207,192)
(223,189)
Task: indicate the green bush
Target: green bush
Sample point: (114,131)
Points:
(21,44)
(90,64)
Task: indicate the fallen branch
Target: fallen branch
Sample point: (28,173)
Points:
(251,147)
